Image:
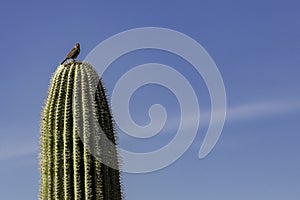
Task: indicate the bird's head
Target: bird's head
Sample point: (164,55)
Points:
(77,45)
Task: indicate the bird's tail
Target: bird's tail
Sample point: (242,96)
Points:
(63,61)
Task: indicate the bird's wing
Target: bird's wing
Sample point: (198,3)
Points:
(71,53)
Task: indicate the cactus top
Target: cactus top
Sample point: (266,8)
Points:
(78,147)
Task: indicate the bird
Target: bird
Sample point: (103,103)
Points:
(73,53)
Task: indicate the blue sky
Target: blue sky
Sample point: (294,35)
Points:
(256,46)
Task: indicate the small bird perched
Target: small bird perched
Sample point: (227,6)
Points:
(73,53)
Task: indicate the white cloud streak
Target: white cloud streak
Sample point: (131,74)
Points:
(243,112)
(249,111)
(13,149)
(261,109)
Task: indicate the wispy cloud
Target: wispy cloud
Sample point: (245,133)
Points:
(242,112)
(246,112)
(255,110)
(235,113)
(15,149)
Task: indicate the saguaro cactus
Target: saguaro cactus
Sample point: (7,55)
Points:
(75,115)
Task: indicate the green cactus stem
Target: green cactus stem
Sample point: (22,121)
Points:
(72,150)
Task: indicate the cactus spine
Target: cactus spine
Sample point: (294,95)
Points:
(69,170)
